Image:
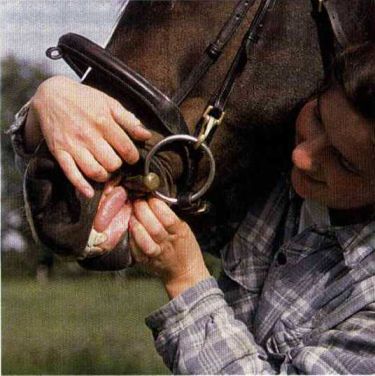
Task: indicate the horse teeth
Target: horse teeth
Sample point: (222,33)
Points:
(92,252)
(101,237)
(96,238)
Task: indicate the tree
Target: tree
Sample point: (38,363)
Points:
(19,80)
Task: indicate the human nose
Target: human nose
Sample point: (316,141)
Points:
(308,154)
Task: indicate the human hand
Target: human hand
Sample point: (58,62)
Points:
(88,132)
(166,245)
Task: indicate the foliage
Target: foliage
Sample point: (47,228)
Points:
(19,80)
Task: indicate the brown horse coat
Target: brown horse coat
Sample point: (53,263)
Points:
(163,40)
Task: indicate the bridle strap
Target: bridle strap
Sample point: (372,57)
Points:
(214,111)
(217,103)
(251,37)
(213,51)
(325,36)
(331,34)
(338,31)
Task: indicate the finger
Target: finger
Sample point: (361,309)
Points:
(105,155)
(90,166)
(73,174)
(148,219)
(121,142)
(137,253)
(142,239)
(165,215)
(111,184)
(129,122)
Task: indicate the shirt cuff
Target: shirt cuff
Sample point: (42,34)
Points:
(187,307)
(16,131)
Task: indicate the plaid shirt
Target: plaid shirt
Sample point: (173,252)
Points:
(287,303)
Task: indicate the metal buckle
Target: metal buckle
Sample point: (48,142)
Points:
(182,138)
(209,122)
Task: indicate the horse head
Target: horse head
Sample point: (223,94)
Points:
(252,146)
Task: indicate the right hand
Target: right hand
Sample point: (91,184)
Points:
(167,245)
(88,132)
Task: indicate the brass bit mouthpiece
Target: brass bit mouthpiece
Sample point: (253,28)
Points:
(142,183)
(151,181)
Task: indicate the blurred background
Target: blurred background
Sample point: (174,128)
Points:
(56,317)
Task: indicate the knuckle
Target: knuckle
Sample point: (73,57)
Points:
(116,106)
(51,85)
(136,227)
(102,120)
(82,134)
(183,228)
(138,204)
(114,164)
(153,251)
(61,155)
(97,173)
(157,233)
(130,153)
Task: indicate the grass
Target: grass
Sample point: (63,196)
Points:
(83,326)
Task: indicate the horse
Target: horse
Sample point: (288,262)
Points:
(162,41)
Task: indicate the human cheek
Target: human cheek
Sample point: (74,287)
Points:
(307,187)
(345,190)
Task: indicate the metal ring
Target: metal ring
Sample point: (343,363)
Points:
(184,138)
(54,53)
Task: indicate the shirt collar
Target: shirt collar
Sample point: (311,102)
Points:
(357,241)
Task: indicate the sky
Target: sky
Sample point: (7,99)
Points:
(29,27)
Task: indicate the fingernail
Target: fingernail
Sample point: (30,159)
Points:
(89,192)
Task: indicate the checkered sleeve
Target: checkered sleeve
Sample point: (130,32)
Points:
(15,130)
(197,333)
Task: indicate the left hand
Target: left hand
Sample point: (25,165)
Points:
(160,240)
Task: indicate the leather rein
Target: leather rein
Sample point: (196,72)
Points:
(82,54)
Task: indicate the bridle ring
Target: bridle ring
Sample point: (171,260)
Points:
(184,138)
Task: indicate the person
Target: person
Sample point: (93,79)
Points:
(298,290)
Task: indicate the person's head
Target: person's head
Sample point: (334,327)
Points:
(334,157)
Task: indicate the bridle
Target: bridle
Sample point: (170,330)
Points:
(80,53)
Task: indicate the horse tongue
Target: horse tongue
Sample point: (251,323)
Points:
(112,217)
(117,227)
(110,204)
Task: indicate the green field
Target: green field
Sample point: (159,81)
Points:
(82,326)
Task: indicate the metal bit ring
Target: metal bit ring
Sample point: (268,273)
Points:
(183,138)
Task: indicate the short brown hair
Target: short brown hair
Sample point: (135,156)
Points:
(354,69)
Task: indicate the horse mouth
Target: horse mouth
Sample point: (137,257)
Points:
(112,217)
